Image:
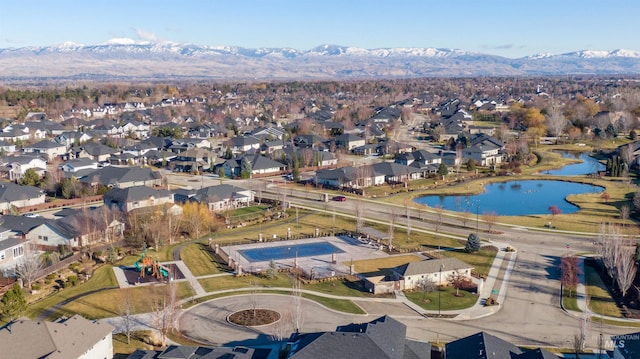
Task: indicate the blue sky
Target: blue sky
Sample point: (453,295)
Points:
(507,28)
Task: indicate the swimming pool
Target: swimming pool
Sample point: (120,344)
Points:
(289,251)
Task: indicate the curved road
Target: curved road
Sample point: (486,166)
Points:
(531,314)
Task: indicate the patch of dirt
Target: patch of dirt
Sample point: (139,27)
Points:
(254,317)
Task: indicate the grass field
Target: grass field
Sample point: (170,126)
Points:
(341,305)
(480,260)
(600,300)
(199,260)
(380,266)
(233,282)
(108,303)
(429,301)
(103,277)
(570,302)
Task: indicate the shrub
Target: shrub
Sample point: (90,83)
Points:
(35,287)
(73,280)
(490,301)
(75,267)
(51,276)
(473,243)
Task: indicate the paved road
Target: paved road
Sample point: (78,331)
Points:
(531,311)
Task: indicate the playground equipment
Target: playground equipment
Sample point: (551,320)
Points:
(148,266)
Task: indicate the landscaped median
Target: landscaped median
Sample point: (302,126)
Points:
(443,299)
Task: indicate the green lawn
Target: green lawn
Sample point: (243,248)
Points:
(341,305)
(338,287)
(199,260)
(480,260)
(429,301)
(232,282)
(107,303)
(103,277)
(570,302)
(600,300)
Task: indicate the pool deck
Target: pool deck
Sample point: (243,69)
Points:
(322,265)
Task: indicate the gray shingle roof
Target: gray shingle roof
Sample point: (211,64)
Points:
(10,192)
(135,193)
(110,176)
(481,346)
(537,354)
(431,266)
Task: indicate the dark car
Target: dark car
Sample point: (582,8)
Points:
(340,198)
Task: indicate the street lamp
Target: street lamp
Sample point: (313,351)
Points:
(440,289)
(477,217)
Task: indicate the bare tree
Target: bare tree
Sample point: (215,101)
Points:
(569,273)
(124,312)
(626,153)
(30,266)
(464,217)
(392,225)
(253,297)
(490,218)
(556,122)
(626,271)
(407,214)
(164,310)
(297,310)
(426,285)
(439,214)
(624,212)
(359,213)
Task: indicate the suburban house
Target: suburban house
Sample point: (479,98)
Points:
(123,177)
(70,138)
(437,271)
(484,150)
(96,151)
(217,198)
(130,198)
(395,172)
(77,230)
(78,164)
(200,352)
(193,159)
(349,142)
(11,249)
(259,165)
(72,338)
(14,167)
(427,162)
(49,148)
(13,195)
(7,148)
(482,346)
(349,177)
(242,144)
(381,338)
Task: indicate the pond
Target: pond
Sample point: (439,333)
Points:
(515,198)
(587,166)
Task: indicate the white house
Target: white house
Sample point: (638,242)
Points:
(50,149)
(79,164)
(437,271)
(16,166)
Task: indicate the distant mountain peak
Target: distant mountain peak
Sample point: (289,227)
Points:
(129,58)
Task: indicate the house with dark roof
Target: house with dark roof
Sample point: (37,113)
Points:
(349,177)
(242,144)
(259,165)
(486,346)
(13,195)
(349,142)
(96,151)
(136,197)
(123,177)
(382,338)
(201,352)
(48,148)
(74,337)
(395,172)
(217,198)
(193,159)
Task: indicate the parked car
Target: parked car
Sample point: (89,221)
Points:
(31,215)
(340,198)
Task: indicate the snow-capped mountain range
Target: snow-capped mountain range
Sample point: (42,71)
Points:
(125,58)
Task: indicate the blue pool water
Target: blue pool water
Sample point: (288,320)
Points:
(289,251)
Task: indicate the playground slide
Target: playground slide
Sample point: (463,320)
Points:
(164,271)
(137,265)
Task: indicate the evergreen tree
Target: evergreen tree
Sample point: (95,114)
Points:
(442,169)
(30,178)
(473,243)
(471,165)
(13,303)
(245,171)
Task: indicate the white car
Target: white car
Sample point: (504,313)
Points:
(31,215)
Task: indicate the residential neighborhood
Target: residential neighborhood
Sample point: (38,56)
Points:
(211,221)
